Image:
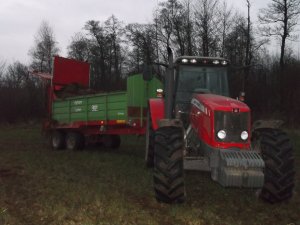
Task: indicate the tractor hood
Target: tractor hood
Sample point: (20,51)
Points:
(218,102)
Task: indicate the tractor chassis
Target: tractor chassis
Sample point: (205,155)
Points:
(230,168)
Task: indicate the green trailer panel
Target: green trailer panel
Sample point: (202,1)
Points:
(106,106)
(139,91)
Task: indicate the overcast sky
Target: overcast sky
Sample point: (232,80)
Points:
(20,19)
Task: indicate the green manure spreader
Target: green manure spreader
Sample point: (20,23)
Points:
(77,115)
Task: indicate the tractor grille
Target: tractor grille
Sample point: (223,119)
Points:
(233,123)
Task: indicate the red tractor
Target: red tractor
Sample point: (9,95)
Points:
(196,126)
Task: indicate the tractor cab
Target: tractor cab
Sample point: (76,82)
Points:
(198,75)
(201,75)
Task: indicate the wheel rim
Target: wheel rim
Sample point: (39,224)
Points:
(71,142)
(55,141)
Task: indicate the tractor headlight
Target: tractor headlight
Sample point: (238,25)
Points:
(244,135)
(221,134)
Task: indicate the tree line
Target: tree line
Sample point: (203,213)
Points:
(190,27)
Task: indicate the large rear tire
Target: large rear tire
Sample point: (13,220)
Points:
(168,165)
(277,152)
(149,153)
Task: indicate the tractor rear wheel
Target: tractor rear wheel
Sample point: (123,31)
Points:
(149,154)
(277,152)
(57,140)
(168,165)
(75,141)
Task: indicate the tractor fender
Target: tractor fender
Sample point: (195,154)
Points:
(157,109)
(267,124)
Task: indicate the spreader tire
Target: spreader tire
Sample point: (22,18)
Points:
(116,141)
(149,153)
(75,141)
(111,141)
(277,152)
(168,165)
(57,140)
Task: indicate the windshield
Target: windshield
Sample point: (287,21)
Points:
(192,79)
(195,79)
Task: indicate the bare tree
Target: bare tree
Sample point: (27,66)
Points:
(183,28)
(45,47)
(142,38)
(106,53)
(236,41)
(98,53)
(189,27)
(248,44)
(280,20)
(2,70)
(166,15)
(17,75)
(206,18)
(79,47)
(114,31)
(226,24)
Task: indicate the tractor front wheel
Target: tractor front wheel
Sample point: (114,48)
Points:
(277,153)
(168,165)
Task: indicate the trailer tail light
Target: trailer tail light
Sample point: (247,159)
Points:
(131,123)
(120,121)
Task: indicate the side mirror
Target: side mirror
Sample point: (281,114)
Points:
(147,72)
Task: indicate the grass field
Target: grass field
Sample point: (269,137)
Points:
(100,186)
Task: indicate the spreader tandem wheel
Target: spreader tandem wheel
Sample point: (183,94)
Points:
(278,155)
(168,165)
(74,141)
(58,140)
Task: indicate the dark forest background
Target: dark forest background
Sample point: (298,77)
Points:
(190,27)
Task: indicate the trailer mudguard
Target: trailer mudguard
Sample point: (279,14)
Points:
(156,109)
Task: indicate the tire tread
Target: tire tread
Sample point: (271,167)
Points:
(277,152)
(168,165)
